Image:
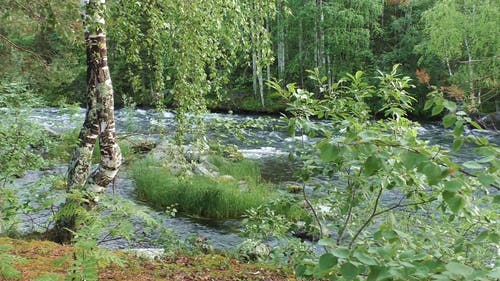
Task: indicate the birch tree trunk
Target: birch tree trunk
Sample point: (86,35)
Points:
(281,41)
(301,53)
(99,120)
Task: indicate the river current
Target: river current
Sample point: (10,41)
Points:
(265,139)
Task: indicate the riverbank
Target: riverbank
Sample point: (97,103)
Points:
(44,260)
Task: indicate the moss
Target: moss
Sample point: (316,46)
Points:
(44,258)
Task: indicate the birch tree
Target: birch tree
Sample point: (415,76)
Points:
(464,34)
(99,119)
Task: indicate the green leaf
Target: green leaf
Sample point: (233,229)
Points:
(473,165)
(300,270)
(449,120)
(372,165)
(486,180)
(496,199)
(459,269)
(389,235)
(487,159)
(459,128)
(349,271)
(428,104)
(483,235)
(327,261)
(365,259)
(476,125)
(328,152)
(378,273)
(457,144)
(329,242)
(411,159)
(341,253)
(455,201)
(438,108)
(433,173)
(451,106)
(485,151)
(452,186)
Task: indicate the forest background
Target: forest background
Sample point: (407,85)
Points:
(169,52)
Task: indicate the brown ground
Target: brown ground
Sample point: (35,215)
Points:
(43,257)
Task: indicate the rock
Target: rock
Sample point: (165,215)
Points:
(293,188)
(209,166)
(201,170)
(243,185)
(147,253)
(226,179)
(253,250)
(143,146)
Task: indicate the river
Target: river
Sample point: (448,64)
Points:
(262,138)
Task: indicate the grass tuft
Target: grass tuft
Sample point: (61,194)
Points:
(203,196)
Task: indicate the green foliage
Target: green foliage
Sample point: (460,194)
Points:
(112,218)
(201,195)
(21,144)
(267,223)
(7,262)
(398,207)
(462,35)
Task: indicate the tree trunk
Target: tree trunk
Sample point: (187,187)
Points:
(254,55)
(99,119)
(301,53)
(281,41)
(268,66)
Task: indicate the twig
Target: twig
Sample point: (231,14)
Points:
(403,205)
(349,212)
(313,211)
(374,212)
(22,49)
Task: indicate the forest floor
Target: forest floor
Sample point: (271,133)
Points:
(50,261)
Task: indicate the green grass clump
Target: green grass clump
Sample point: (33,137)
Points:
(203,196)
(246,170)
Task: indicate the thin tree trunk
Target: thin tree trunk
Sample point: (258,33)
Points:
(260,79)
(268,66)
(254,55)
(301,53)
(471,71)
(281,42)
(254,72)
(329,70)
(469,56)
(322,35)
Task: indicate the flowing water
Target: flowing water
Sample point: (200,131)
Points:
(264,139)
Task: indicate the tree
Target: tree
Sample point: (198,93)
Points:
(99,121)
(464,35)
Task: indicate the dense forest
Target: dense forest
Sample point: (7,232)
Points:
(249,140)
(231,48)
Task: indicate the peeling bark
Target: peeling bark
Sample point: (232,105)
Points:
(99,122)
(99,119)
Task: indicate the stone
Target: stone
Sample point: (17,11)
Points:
(226,179)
